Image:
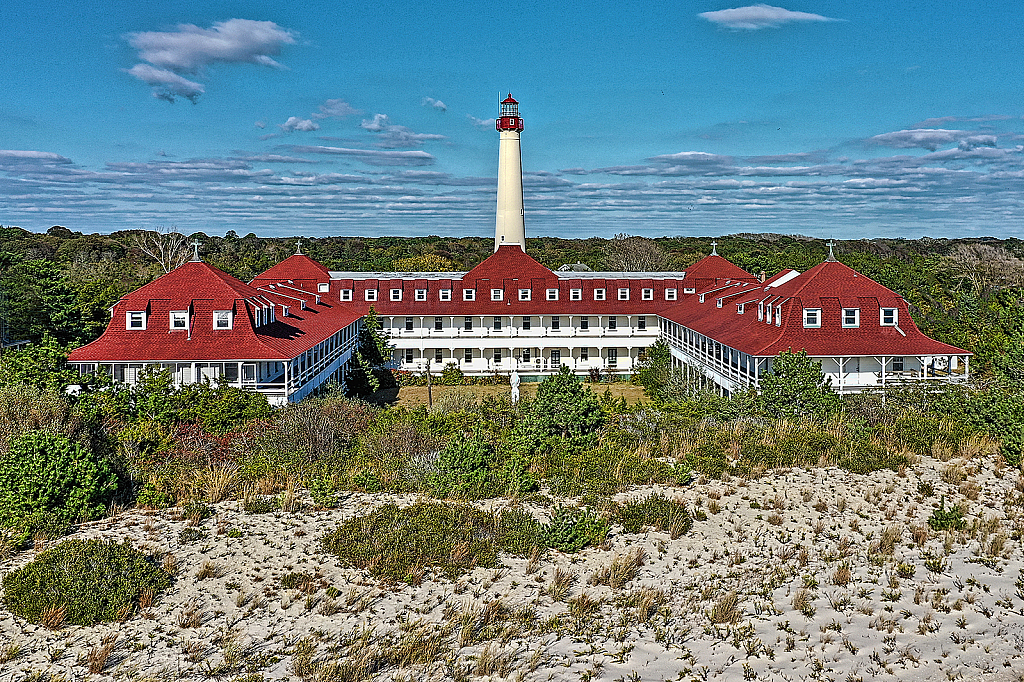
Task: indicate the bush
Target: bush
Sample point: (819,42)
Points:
(451,375)
(518,532)
(461,471)
(947,519)
(94,581)
(573,528)
(47,473)
(654,511)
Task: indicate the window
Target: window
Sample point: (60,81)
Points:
(408,354)
(497,323)
(889,317)
(396,294)
(641,323)
(444,295)
(739,308)
(438,324)
(179,319)
(497,355)
(671,294)
(768,314)
(552,294)
(623,294)
(556,358)
(524,294)
(778,315)
(689,290)
(526,323)
(760,311)
(408,324)
(613,357)
(346,294)
(897,364)
(526,355)
(135,320)
(323,287)
(467,323)
(421,294)
(647,294)
(613,323)
(851,317)
(469,294)
(584,354)
(370,294)
(598,294)
(222,319)
(468,355)
(575,294)
(438,357)
(556,322)
(812,317)
(497,294)
(585,323)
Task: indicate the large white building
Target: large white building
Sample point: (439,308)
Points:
(294,327)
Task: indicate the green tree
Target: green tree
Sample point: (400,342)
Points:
(43,365)
(368,375)
(796,387)
(565,407)
(653,368)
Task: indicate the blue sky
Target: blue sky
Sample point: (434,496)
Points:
(833,119)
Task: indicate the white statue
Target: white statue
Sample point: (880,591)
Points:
(514,381)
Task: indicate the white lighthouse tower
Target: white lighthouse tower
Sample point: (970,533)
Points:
(510,227)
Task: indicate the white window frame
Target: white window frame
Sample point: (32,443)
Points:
(444,295)
(396,294)
(552,294)
(739,308)
(346,294)
(421,294)
(131,315)
(647,294)
(599,294)
(217,317)
(623,293)
(641,323)
(760,311)
(689,290)
(575,294)
(671,294)
(181,315)
(895,317)
(469,294)
(812,318)
(585,323)
(370,295)
(778,315)
(856,318)
(497,294)
(524,294)
(613,323)
(323,287)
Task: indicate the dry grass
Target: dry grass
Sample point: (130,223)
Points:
(209,570)
(415,396)
(842,575)
(726,609)
(53,617)
(561,584)
(621,570)
(218,483)
(953,474)
(99,656)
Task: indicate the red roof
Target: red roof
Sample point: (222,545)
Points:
(830,287)
(201,290)
(509,100)
(297,267)
(716,267)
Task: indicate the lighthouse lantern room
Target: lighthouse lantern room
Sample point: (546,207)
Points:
(509,118)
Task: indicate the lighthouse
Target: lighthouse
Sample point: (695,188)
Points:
(510,227)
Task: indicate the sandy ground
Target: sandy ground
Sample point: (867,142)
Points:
(949,608)
(414,396)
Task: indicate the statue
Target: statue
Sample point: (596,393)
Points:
(514,381)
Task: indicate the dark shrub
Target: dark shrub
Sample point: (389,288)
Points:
(655,511)
(94,581)
(947,519)
(518,532)
(573,528)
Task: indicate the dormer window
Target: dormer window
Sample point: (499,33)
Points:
(444,295)
(469,294)
(647,295)
(778,315)
(323,287)
(421,294)
(524,294)
(889,317)
(689,290)
(552,294)
(851,317)
(739,308)
(346,294)
(760,311)
(671,294)
(222,318)
(396,294)
(135,319)
(623,294)
(575,294)
(179,319)
(812,317)
(497,294)
(370,294)
(598,294)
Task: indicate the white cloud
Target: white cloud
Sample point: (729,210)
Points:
(19,155)
(335,108)
(392,136)
(919,138)
(260,124)
(972,141)
(189,49)
(373,157)
(754,17)
(301,124)
(435,103)
(482,123)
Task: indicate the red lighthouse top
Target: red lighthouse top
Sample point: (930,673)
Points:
(509,119)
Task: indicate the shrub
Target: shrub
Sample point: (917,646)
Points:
(947,519)
(46,473)
(517,532)
(94,581)
(451,375)
(655,511)
(260,505)
(461,471)
(196,512)
(573,528)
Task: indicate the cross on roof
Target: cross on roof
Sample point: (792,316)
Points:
(831,255)
(714,248)
(298,247)
(195,251)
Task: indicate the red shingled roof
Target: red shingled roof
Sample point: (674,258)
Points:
(202,289)
(297,266)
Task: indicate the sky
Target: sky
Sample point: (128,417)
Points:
(841,119)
